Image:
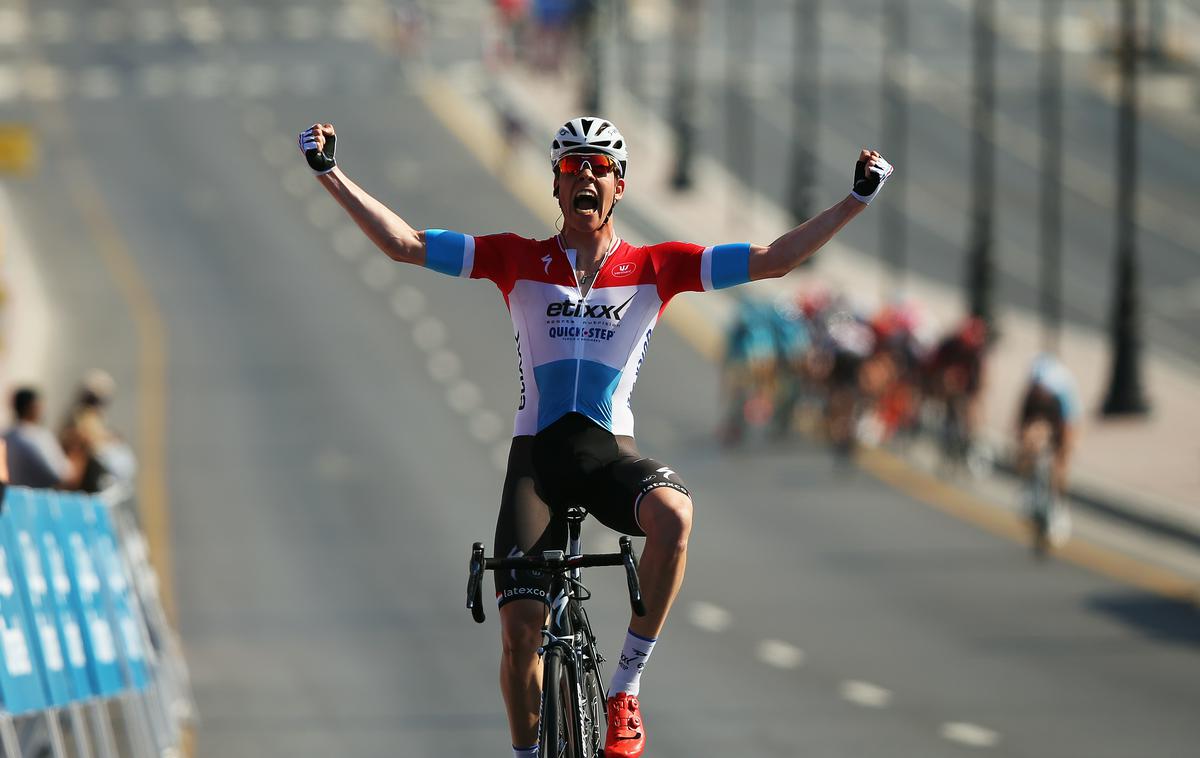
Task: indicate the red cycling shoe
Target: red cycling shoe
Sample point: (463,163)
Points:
(626,736)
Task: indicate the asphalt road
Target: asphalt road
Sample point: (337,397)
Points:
(325,484)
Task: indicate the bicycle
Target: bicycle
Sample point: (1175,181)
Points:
(573,703)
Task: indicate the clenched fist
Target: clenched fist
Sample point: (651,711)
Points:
(317,142)
(870,172)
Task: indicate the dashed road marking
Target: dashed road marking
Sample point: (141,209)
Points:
(779,654)
(972,735)
(14,26)
(349,242)
(429,333)
(865,694)
(444,366)
(709,617)
(408,302)
(379,272)
(463,396)
(44,82)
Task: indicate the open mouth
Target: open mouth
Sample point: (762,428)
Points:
(586,202)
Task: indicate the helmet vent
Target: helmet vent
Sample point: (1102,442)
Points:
(571,127)
(619,144)
(587,125)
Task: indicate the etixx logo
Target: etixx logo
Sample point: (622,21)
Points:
(624,269)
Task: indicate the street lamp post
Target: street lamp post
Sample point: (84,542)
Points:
(685,47)
(1051,191)
(983,108)
(1125,395)
(895,135)
(806,103)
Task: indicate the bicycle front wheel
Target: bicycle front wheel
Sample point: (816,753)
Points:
(557,737)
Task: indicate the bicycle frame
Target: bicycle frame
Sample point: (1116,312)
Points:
(567,631)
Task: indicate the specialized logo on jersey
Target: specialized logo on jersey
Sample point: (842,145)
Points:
(546,259)
(624,269)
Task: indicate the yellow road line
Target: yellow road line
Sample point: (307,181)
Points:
(444,101)
(152,496)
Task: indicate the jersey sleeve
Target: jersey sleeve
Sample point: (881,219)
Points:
(684,267)
(458,254)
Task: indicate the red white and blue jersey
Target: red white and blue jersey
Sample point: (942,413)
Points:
(577,352)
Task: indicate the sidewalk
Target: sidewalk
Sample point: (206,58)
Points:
(1144,468)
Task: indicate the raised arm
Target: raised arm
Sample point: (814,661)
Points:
(384,227)
(797,245)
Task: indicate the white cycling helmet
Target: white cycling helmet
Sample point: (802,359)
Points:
(589,134)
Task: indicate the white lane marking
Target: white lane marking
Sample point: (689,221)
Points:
(258,80)
(257,121)
(865,694)
(444,366)
(247,24)
(156,80)
(44,82)
(99,83)
(379,272)
(14,26)
(486,426)
(153,25)
(106,27)
(500,455)
(463,396)
(301,24)
(10,84)
(349,242)
(201,25)
(429,333)
(709,617)
(54,26)
(779,654)
(323,212)
(969,734)
(298,182)
(408,302)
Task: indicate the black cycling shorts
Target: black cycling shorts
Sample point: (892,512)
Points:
(574,461)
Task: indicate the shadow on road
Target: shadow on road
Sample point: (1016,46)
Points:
(1161,618)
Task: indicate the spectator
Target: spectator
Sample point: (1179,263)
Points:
(34,457)
(101,457)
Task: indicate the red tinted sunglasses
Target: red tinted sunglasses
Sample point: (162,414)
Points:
(600,164)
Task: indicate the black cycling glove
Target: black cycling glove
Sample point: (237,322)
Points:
(868,183)
(318,161)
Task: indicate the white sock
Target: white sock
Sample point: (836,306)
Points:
(628,676)
(525,752)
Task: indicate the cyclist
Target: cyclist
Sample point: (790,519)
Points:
(584,304)
(1049,412)
(955,372)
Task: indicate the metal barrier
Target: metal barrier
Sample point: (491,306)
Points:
(83,633)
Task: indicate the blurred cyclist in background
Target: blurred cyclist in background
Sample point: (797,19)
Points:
(954,379)
(1048,416)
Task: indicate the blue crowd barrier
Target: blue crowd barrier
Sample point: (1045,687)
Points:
(70,630)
